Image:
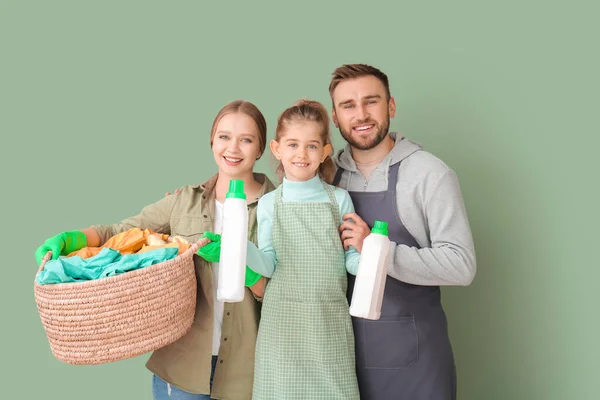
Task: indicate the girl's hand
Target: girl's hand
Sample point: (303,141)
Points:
(353,231)
(259,287)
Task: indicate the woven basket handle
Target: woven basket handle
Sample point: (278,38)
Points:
(200,243)
(45,259)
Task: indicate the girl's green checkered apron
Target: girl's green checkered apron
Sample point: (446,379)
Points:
(305,345)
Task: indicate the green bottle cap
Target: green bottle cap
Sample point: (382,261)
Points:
(236,189)
(380,227)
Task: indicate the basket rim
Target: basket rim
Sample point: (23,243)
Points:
(115,278)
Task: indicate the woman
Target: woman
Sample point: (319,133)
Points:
(217,356)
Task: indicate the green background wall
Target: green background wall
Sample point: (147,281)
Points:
(105,106)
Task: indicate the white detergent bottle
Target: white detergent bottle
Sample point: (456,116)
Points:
(234,239)
(367,296)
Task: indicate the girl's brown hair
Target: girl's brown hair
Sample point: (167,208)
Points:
(249,109)
(313,111)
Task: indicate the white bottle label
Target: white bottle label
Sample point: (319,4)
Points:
(369,285)
(234,238)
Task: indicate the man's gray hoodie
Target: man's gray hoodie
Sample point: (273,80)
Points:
(430,205)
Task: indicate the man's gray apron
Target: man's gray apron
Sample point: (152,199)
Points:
(406,354)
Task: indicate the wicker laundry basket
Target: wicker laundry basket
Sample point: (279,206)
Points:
(122,316)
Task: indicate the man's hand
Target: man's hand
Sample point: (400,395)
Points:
(175,192)
(353,231)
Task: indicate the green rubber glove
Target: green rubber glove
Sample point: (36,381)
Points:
(212,253)
(251,277)
(61,244)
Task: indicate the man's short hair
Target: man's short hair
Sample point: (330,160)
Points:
(353,71)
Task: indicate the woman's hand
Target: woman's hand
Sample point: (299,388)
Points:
(61,244)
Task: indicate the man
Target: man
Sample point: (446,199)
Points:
(406,354)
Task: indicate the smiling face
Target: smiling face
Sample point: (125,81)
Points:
(235,145)
(362,111)
(301,150)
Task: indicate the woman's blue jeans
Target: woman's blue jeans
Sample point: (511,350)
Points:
(162,390)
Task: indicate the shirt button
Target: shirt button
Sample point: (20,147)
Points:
(221,362)
(228,313)
(225,339)
(205,216)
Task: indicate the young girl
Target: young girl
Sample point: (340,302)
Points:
(305,344)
